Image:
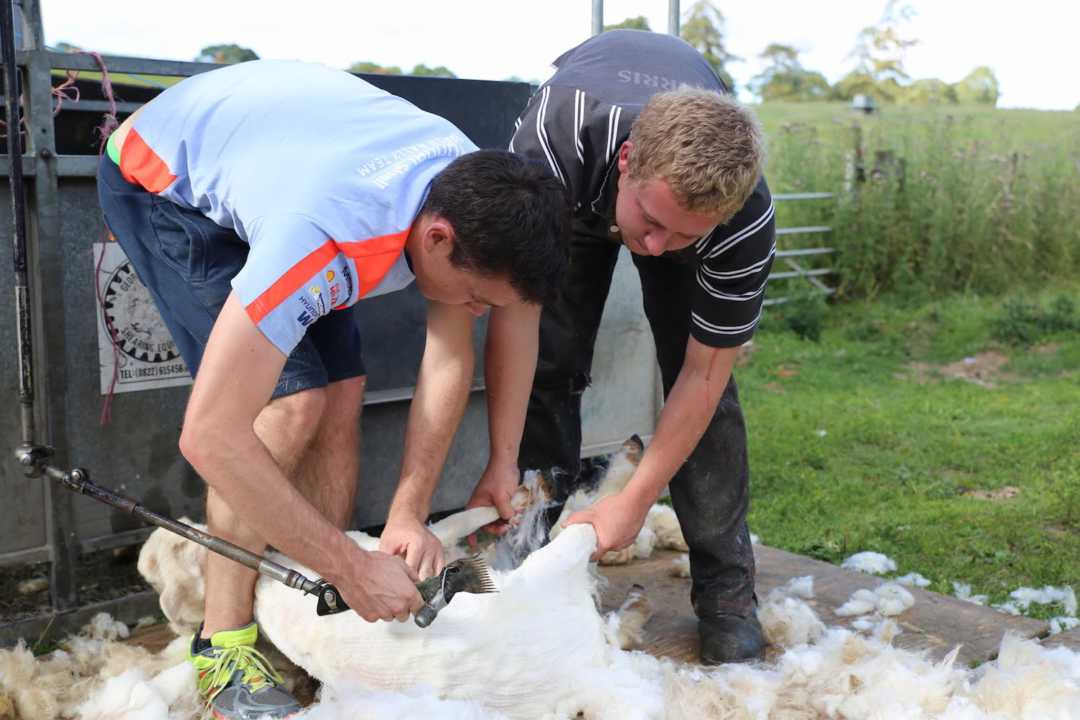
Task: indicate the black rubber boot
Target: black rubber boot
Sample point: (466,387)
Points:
(731,639)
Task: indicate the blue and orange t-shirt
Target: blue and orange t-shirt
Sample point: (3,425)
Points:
(321,173)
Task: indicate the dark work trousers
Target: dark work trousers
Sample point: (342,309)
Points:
(711,492)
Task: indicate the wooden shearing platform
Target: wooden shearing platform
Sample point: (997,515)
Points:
(937,623)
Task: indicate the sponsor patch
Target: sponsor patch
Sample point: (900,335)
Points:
(316,292)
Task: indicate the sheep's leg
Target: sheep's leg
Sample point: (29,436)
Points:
(458,526)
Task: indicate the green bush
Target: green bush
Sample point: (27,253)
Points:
(803,313)
(1021,322)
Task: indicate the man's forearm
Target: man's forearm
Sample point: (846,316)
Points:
(442,391)
(243,472)
(509,367)
(687,412)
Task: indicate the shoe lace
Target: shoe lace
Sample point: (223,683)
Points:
(257,672)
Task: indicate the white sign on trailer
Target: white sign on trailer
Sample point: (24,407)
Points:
(135,349)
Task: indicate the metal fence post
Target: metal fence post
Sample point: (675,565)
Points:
(673,17)
(46,266)
(597,17)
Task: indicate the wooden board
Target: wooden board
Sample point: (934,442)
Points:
(936,623)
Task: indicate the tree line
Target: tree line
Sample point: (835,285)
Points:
(878,64)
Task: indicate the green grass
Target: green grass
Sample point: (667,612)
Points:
(849,452)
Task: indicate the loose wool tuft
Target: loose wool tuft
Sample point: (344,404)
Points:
(962,591)
(888,599)
(626,626)
(53,687)
(414,704)
(134,696)
(664,523)
(872,563)
(913,579)
(1062,624)
(680,566)
(1049,595)
(786,618)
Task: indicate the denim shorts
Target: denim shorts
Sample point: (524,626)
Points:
(188,261)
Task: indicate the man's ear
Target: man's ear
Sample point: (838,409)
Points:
(624,156)
(439,237)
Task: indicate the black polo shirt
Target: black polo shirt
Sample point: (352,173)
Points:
(576,123)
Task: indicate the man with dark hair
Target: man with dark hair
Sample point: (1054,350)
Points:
(658,157)
(258,203)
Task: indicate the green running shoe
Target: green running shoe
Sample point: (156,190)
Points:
(236,681)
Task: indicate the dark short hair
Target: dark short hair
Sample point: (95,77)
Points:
(510,219)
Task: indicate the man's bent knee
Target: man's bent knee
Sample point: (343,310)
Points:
(341,420)
(288,424)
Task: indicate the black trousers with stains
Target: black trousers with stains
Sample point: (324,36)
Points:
(711,492)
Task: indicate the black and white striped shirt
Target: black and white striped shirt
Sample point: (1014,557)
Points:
(577,121)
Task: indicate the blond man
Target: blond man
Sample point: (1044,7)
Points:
(657,157)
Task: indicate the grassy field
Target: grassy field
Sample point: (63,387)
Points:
(954,199)
(866,439)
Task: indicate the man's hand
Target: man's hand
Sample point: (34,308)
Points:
(410,539)
(381,587)
(496,487)
(617,520)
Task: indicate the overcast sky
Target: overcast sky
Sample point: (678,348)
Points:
(1030,45)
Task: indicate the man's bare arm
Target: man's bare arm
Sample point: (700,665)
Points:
(239,370)
(689,409)
(509,367)
(442,391)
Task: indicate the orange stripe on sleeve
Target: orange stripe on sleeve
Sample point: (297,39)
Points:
(141,165)
(374,257)
(291,281)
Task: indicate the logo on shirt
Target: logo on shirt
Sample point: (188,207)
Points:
(305,318)
(316,292)
(335,294)
(309,306)
(383,169)
(346,275)
(330,276)
(653,81)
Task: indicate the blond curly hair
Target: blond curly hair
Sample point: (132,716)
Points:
(708,147)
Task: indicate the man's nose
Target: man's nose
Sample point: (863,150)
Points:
(477,309)
(655,242)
